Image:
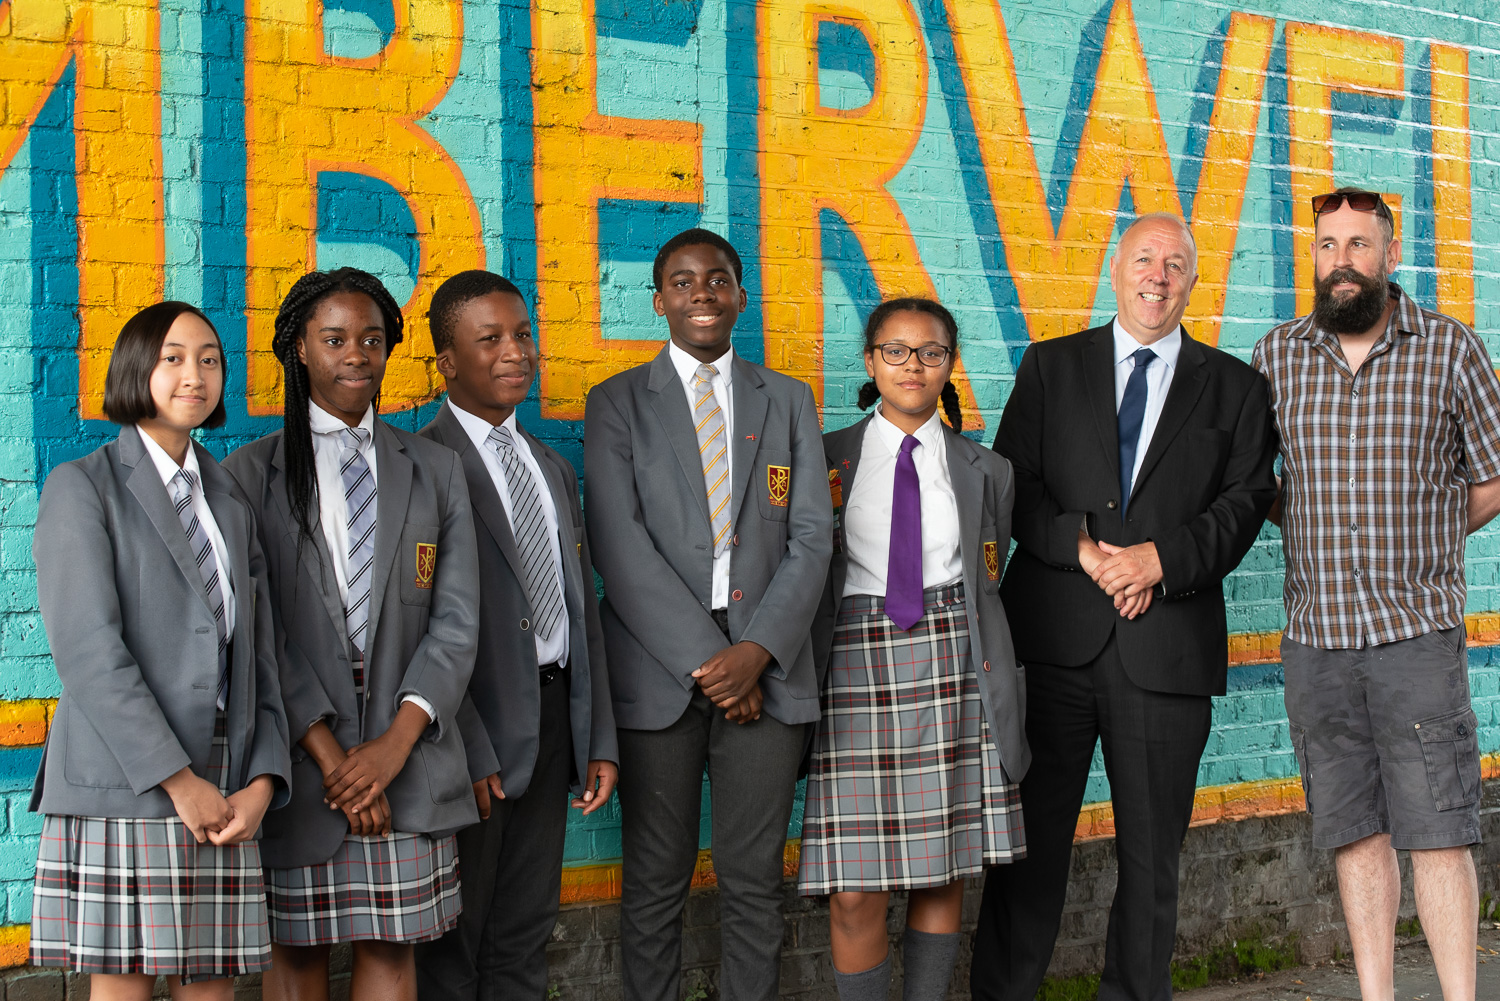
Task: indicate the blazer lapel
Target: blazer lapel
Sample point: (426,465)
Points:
(317,560)
(229,515)
(558,485)
(1099,383)
(750,406)
(845,460)
(968,491)
(1182,396)
(145,483)
(483,495)
(670,404)
(393,495)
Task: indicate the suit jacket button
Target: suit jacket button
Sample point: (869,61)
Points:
(736,540)
(525,624)
(1112,505)
(738,594)
(986,665)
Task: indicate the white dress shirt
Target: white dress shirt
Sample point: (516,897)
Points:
(166,468)
(1158,381)
(867,511)
(554,649)
(687,371)
(333,507)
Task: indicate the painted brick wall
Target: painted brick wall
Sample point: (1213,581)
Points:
(989,154)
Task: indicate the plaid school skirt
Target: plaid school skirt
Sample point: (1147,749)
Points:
(126,895)
(906,790)
(398,887)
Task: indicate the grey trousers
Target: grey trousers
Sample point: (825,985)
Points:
(752,772)
(511,869)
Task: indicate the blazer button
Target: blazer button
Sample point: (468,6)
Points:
(525,624)
(738,594)
(736,540)
(1112,505)
(986,665)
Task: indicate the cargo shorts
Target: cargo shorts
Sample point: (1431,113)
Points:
(1385,739)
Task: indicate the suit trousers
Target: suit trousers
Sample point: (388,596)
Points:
(1152,743)
(752,772)
(511,869)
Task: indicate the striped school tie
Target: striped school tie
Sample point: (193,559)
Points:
(359,495)
(529,526)
(713,450)
(208,568)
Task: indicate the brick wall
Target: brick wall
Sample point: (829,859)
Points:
(989,154)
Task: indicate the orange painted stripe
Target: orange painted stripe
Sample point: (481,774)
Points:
(15,941)
(1265,648)
(587,884)
(24,723)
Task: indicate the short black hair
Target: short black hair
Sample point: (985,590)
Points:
(457,292)
(693,238)
(127,384)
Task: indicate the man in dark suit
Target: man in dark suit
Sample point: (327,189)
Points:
(1143,471)
(538,719)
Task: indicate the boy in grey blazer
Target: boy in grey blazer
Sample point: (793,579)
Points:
(710,522)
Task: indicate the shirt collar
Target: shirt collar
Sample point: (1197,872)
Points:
(166,466)
(477,428)
(1167,349)
(687,366)
(929,434)
(322,422)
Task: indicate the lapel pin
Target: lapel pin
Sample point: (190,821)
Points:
(749,437)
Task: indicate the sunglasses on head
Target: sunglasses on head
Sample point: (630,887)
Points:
(1359,201)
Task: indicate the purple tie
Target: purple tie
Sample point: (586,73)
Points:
(903,575)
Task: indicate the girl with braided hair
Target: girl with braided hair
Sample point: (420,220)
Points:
(374,590)
(915,766)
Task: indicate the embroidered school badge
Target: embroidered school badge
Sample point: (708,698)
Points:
(836,488)
(779,484)
(992,560)
(426,563)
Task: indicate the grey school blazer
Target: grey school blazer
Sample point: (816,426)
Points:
(424,615)
(984,489)
(505,691)
(648,524)
(134,641)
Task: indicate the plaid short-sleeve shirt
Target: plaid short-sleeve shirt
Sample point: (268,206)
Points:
(1375,472)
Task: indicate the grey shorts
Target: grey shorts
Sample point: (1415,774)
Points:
(1386,740)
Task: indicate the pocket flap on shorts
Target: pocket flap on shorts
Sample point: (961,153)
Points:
(1450,749)
(1455,726)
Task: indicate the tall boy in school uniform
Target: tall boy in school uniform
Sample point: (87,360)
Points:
(539,719)
(710,520)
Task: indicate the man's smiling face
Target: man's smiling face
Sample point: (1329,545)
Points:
(1153,272)
(701,300)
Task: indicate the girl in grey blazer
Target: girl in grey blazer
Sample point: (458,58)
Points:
(917,760)
(374,585)
(169,741)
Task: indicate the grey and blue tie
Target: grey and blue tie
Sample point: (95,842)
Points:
(529,526)
(208,568)
(359,495)
(1132,415)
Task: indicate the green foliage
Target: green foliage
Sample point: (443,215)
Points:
(1081,988)
(1245,957)
(1411,927)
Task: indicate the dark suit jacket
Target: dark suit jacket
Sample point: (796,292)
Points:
(134,641)
(421,637)
(982,483)
(1203,490)
(648,523)
(505,690)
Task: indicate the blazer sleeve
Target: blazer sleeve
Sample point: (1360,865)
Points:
(1204,551)
(1040,524)
(479,751)
(784,616)
(639,581)
(603,743)
(439,671)
(270,753)
(76,574)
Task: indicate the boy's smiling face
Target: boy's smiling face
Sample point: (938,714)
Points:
(701,300)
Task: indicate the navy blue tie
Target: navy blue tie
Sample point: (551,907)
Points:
(1132,415)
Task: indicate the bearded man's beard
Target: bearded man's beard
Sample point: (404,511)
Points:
(1350,314)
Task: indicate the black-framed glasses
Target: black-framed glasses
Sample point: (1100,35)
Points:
(931,355)
(1359,201)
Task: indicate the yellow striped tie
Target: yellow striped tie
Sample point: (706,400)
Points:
(713,449)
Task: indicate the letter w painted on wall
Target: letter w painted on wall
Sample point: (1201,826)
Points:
(1056,270)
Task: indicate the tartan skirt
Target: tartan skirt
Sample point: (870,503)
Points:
(398,887)
(134,895)
(906,789)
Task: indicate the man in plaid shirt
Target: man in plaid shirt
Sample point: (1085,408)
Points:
(1389,423)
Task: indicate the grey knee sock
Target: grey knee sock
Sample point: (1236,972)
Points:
(873,984)
(927,964)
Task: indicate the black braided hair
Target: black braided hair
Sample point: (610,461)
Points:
(868,393)
(291,325)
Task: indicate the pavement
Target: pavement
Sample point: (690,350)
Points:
(1335,980)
